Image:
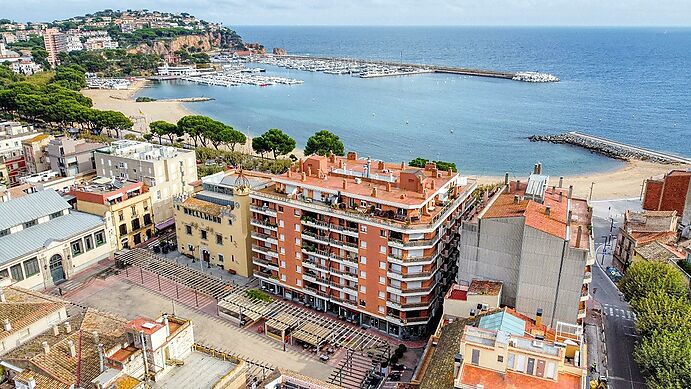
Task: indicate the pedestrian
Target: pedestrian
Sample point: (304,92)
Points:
(60,291)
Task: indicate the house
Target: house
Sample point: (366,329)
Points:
(468,300)
(72,157)
(641,228)
(671,192)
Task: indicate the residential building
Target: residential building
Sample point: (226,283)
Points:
(167,171)
(536,240)
(368,240)
(463,301)
(44,242)
(50,42)
(68,42)
(26,67)
(671,192)
(124,204)
(11,151)
(100,43)
(47,180)
(641,228)
(213,225)
(72,157)
(8,37)
(509,350)
(100,350)
(25,314)
(35,153)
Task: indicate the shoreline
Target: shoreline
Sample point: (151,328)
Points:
(624,182)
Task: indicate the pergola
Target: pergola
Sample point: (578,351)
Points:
(240,306)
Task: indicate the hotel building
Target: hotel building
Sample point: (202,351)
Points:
(213,225)
(167,171)
(537,241)
(124,204)
(370,241)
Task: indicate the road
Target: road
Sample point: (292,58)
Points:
(617,315)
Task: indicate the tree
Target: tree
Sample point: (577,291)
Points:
(228,136)
(112,120)
(643,278)
(196,127)
(660,310)
(260,146)
(278,142)
(162,128)
(71,77)
(323,142)
(441,165)
(664,359)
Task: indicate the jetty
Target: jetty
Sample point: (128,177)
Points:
(611,148)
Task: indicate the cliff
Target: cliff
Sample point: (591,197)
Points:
(202,42)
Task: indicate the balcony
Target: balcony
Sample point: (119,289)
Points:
(398,243)
(264,250)
(312,222)
(262,224)
(345,230)
(311,236)
(264,263)
(420,276)
(264,237)
(588,277)
(408,306)
(398,290)
(263,210)
(397,259)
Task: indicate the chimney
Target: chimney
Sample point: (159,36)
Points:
(538,317)
(402,165)
(166,324)
(96,337)
(570,191)
(548,210)
(518,185)
(561,195)
(303,176)
(56,330)
(300,165)
(71,348)
(344,184)
(506,178)
(7,325)
(352,156)
(68,327)
(388,187)
(561,181)
(374,192)
(535,171)
(340,164)
(332,157)
(516,199)
(101,358)
(539,168)
(3,299)
(380,165)
(309,171)
(46,347)
(432,185)
(578,236)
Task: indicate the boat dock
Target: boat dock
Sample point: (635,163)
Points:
(611,148)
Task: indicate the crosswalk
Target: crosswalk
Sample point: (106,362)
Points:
(626,314)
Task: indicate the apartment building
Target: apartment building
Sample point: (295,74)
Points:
(12,134)
(536,240)
(72,157)
(509,350)
(167,171)
(50,42)
(124,204)
(35,153)
(367,240)
(44,242)
(640,229)
(100,43)
(213,224)
(671,192)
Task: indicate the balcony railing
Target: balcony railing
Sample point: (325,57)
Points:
(263,224)
(263,210)
(263,262)
(413,243)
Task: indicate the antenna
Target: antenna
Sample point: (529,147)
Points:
(241,182)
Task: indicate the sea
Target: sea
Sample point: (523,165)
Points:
(628,84)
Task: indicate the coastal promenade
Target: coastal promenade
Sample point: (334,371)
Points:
(428,68)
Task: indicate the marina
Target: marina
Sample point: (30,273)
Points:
(371,69)
(235,78)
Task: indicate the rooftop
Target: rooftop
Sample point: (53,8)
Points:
(31,207)
(188,375)
(657,251)
(24,307)
(650,221)
(142,324)
(142,151)
(472,376)
(485,287)
(202,206)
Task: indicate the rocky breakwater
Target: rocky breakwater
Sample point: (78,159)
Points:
(604,147)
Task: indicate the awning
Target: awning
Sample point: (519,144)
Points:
(165,224)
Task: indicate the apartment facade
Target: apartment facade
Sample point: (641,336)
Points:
(35,153)
(166,171)
(44,242)
(213,224)
(537,241)
(367,240)
(12,135)
(50,42)
(72,157)
(509,350)
(126,205)
(642,228)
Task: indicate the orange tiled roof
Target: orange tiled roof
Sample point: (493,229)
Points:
(202,206)
(138,324)
(24,307)
(472,375)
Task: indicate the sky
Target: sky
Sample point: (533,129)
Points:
(381,12)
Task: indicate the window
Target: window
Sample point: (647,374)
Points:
(297,227)
(550,370)
(363,244)
(363,260)
(382,280)
(382,265)
(296,212)
(500,358)
(280,223)
(475,357)
(363,289)
(188,230)
(531,366)
(55,214)
(220,258)
(298,255)
(363,229)
(511,360)
(190,247)
(121,216)
(203,234)
(88,243)
(4,232)
(283,277)
(30,223)
(76,247)
(282,237)
(382,295)
(31,267)
(16,271)
(4,273)
(297,241)
(298,282)
(219,239)
(100,238)
(363,274)
(283,264)
(123,229)
(382,233)
(363,203)
(381,309)
(298,269)
(283,250)
(382,249)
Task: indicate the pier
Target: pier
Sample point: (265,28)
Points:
(611,148)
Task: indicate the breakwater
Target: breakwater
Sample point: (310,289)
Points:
(610,148)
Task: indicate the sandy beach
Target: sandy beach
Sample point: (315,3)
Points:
(625,182)
(622,183)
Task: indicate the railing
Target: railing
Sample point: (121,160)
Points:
(264,224)
(413,259)
(259,235)
(264,210)
(414,243)
(263,262)
(372,219)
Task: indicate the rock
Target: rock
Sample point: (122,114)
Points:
(279,51)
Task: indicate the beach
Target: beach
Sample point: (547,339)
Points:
(623,183)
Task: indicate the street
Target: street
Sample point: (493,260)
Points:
(617,315)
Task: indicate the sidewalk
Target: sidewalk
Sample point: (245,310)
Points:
(595,339)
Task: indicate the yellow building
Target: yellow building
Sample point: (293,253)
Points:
(213,224)
(127,205)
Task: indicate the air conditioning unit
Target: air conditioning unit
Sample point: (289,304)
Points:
(538,343)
